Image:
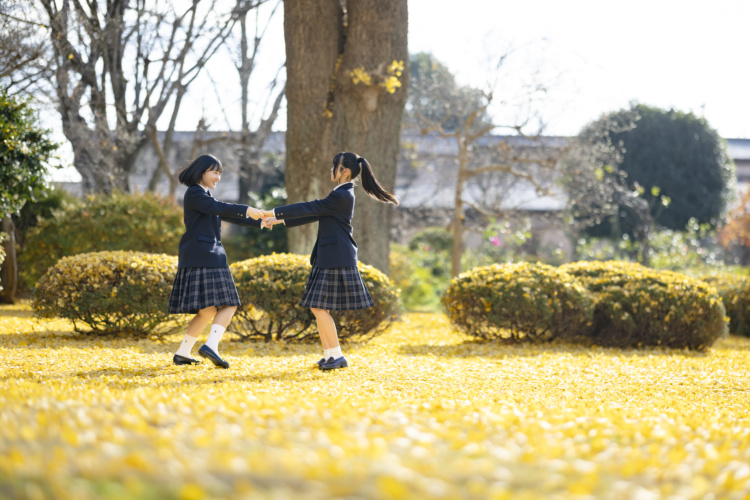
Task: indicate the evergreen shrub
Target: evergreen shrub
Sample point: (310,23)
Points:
(271,286)
(518,302)
(110,292)
(637,306)
(734,291)
(138,222)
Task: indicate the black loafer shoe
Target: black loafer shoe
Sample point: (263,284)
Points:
(182,360)
(321,361)
(332,364)
(209,354)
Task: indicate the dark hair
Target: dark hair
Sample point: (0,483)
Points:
(356,164)
(191,174)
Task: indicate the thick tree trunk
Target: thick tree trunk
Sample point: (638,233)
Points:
(10,265)
(365,118)
(312,30)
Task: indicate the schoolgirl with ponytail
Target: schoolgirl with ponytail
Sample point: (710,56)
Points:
(334,283)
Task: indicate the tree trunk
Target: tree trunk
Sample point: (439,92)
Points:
(365,119)
(10,265)
(312,31)
(458,208)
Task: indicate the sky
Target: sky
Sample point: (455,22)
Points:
(591,56)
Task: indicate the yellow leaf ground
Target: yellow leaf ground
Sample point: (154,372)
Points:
(422,412)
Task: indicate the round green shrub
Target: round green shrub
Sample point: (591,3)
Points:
(110,292)
(734,291)
(518,302)
(271,286)
(636,306)
(139,222)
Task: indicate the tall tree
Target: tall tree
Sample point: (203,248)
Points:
(119,66)
(343,95)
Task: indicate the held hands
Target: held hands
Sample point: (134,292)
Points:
(254,213)
(269,222)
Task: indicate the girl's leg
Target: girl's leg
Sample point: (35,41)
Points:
(194,329)
(221,320)
(326,328)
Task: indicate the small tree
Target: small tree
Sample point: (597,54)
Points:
(485,174)
(24,150)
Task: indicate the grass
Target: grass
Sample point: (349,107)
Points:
(423,412)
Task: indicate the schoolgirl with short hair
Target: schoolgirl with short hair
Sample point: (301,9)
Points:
(334,283)
(203,285)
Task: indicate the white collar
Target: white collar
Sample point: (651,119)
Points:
(342,184)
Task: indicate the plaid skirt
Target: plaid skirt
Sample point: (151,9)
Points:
(196,288)
(337,289)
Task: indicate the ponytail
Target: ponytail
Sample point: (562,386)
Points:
(370,184)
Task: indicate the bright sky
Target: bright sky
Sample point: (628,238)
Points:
(594,56)
(691,55)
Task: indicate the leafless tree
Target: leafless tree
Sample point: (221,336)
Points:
(23,47)
(120,67)
(494,173)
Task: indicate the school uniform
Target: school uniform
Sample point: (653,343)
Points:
(334,283)
(203,278)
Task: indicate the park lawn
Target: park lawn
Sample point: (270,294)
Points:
(422,412)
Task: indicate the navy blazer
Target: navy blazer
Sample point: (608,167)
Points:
(335,245)
(201,246)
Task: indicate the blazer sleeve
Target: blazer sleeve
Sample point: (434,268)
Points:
(243,222)
(198,199)
(300,221)
(330,205)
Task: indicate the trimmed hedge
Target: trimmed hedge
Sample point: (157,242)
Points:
(110,292)
(271,286)
(139,222)
(636,306)
(518,302)
(734,291)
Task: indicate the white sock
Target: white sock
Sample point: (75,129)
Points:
(326,354)
(214,337)
(335,353)
(187,345)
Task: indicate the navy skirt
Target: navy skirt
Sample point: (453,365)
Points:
(337,289)
(197,288)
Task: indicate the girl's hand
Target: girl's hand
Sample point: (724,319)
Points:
(254,213)
(267,213)
(269,222)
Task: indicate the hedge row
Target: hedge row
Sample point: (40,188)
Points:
(604,303)
(121,291)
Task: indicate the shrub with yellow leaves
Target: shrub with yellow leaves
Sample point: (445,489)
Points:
(518,302)
(110,292)
(118,221)
(734,291)
(637,306)
(271,286)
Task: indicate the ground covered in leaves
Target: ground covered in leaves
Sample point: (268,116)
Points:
(422,412)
